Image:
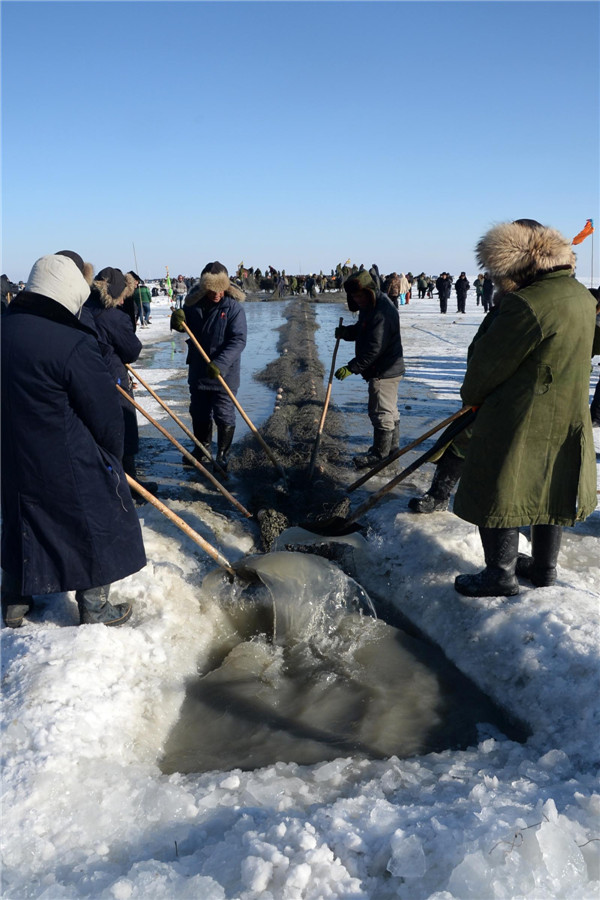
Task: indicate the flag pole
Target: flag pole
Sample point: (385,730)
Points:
(135,259)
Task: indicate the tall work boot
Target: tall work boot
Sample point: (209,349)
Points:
(130,468)
(94,608)
(224,440)
(380,449)
(540,567)
(446,475)
(500,546)
(202,433)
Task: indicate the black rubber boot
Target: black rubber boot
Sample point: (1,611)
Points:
(204,435)
(447,474)
(224,440)
(382,445)
(540,567)
(130,468)
(94,608)
(498,579)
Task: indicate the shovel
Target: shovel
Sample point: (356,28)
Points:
(236,403)
(183,526)
(175,418)
(313,458)
(187,454)
(338,525)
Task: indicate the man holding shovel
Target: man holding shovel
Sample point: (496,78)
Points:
(378,358)
(214,314)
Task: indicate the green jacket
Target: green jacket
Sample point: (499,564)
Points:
(531,458)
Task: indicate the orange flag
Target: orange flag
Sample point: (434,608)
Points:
(585,231)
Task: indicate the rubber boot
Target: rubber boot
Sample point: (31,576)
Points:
(498,579)
(540,567)
(15,606)
(204,435)
(94,608)
(446,475)
(224,440)
(382,444)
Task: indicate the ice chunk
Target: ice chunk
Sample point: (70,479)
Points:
(256,873)
(562,857)
(408,857)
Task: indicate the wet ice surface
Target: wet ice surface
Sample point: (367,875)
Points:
(87,713)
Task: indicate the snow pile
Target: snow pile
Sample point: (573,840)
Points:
(87,711)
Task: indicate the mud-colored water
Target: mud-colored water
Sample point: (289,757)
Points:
(304,672)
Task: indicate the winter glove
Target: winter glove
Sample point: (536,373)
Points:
(212,370)
(177,320)
(342,373)
(340,332)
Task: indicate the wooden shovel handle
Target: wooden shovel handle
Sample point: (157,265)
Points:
(183,526)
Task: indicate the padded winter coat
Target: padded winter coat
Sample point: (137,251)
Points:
(221,331)
(69,522)
(119,344)
(378,345)
(531,457)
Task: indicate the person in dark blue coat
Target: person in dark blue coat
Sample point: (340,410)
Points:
(378,358)
(69,522)
(119,344)
(214,314)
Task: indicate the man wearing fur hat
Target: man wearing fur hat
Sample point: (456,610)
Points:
(531,457)
(378,358)
(214,314)
(69,523)
(119,345)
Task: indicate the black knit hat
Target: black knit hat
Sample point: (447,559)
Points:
(115,281)
(74,256)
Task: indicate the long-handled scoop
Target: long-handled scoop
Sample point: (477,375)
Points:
(338,525)
(187,454)
(176,418)
(313,458)
(236,403)
(398,453)
(183,526)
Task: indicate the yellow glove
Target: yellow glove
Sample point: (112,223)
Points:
(212,370)
(342,373)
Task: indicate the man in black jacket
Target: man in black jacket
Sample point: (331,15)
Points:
(378,358)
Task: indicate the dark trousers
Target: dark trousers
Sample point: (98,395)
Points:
(212,405)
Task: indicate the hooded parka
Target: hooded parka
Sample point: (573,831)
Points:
(118,341)
(531,457)
(69,522)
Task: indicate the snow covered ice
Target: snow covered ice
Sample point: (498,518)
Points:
(87,711)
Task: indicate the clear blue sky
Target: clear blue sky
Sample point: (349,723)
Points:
(294,134)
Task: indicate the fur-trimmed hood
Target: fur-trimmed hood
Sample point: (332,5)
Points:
(115,283)
(214,281)
(515,253)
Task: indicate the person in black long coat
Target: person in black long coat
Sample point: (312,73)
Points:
(119,344)
(444,289)
(461,287)
(69,522)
